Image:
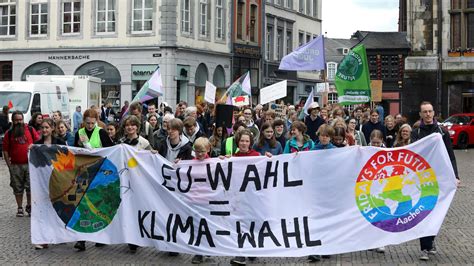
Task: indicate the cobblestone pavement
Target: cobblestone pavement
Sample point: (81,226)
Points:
(455,240)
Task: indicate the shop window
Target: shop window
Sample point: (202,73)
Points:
(110,77)
(42,68)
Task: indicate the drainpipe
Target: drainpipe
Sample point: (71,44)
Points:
(439,88)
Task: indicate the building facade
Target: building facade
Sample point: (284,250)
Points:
(121,42)
(441,66)
(247,42)
(290,24)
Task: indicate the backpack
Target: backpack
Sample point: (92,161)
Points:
(10,135)
(439,129)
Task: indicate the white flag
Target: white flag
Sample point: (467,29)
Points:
(309,101)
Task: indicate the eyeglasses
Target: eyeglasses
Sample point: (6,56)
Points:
(247,113)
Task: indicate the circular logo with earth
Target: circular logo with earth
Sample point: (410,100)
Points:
(351,67)
(84,191)
(396,190)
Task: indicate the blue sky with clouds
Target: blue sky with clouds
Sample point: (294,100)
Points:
(341,18)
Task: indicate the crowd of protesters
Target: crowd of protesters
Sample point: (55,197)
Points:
(191,133)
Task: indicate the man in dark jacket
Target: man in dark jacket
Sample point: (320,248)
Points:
(372,124)
(428,126)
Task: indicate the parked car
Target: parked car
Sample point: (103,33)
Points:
(461,129)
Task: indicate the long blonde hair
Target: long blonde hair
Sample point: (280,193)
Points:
(399,141)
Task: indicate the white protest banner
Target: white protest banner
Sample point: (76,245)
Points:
(316,202)
(273,92)
(242,100)
(210,92)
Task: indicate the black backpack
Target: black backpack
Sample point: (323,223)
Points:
(10,135)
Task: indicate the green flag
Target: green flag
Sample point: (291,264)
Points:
(352,78)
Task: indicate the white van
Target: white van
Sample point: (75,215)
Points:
(84,91)
(30,97)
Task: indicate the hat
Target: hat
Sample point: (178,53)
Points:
(313,105)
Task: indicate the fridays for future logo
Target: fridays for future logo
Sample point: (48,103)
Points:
(396,190)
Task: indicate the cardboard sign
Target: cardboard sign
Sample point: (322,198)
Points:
(273,92)
(280,110)
(376,90)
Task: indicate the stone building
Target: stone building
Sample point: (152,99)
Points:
(288,25)
(440,68)
(121,42)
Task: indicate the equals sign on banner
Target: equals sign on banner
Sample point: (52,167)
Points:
(220,213)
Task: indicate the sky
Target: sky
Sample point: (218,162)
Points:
(341,18)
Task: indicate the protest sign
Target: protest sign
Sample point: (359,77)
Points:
(273,92)
(210,93)
(316,202)
(322,87)
(376,90)
(280,110)
(241,100)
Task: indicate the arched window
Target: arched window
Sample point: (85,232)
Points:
(42,68)
(110,77)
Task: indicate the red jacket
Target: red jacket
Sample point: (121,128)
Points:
(249,153)
(17,148)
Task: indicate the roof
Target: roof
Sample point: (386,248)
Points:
(382,40)
(371,39)
(332,48)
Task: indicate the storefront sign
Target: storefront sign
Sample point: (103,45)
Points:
(142,72)
(69,57)
(246,50)
(96,71)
